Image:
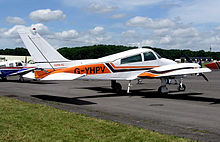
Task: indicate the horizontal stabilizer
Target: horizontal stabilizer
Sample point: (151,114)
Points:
(22,71)
(29,75)
(63,76)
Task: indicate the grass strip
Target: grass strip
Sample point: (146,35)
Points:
(21,121)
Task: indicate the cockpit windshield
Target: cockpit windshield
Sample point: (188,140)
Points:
(149,56)
(158,55)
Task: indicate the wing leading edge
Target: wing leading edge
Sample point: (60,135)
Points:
(174,70)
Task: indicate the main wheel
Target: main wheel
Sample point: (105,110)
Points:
(182,88)
(162,91)
(117,87)
(4,78)
(21,79)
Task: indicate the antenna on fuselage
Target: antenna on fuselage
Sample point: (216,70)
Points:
(139,45)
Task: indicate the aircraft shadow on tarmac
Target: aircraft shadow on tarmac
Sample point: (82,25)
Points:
(152,93)
(65,100)
(40,82)
(144,93)
(31,82)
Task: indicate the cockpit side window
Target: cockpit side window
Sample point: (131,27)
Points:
(18,64)
(2,66)
(149,56)
(131,59)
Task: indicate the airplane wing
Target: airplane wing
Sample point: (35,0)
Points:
(62,76)
(174,70)
(22,71)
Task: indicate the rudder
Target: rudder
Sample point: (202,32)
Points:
(41,51)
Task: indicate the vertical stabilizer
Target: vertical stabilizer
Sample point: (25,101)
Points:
(41,51)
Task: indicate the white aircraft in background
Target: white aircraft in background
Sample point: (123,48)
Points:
(140,63)
(13,68)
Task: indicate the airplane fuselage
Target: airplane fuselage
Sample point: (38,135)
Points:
(121,66)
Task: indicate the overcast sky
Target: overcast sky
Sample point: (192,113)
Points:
(167,24)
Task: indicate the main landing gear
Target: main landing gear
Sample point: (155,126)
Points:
(116,86)
(162,89)
(181,87)
(4,78)
(21,78)
(164,81)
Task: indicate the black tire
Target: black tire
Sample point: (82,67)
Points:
(21,79)
(183,88)
(160,91)
(117,87)
(113,83)
(4,78)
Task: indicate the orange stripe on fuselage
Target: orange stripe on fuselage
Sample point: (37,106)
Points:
(131,67)
(84,69)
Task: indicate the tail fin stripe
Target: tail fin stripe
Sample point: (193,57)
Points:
(52,62)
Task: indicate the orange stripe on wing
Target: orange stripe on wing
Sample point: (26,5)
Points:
(147,75)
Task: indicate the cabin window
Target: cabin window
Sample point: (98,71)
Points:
(2,66)
(18,64)
(11,65)
(131,59)
(149,56)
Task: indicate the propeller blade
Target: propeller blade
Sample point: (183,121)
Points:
(201,74)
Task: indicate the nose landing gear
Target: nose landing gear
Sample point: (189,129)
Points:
(164,90)
(181,87)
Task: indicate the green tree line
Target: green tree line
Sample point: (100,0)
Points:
(97,51)
(17,51)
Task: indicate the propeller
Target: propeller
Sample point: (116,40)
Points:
(201,74)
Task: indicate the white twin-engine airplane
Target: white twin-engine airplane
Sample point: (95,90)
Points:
(140,63)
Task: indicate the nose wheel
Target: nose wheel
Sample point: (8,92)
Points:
(181,87)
